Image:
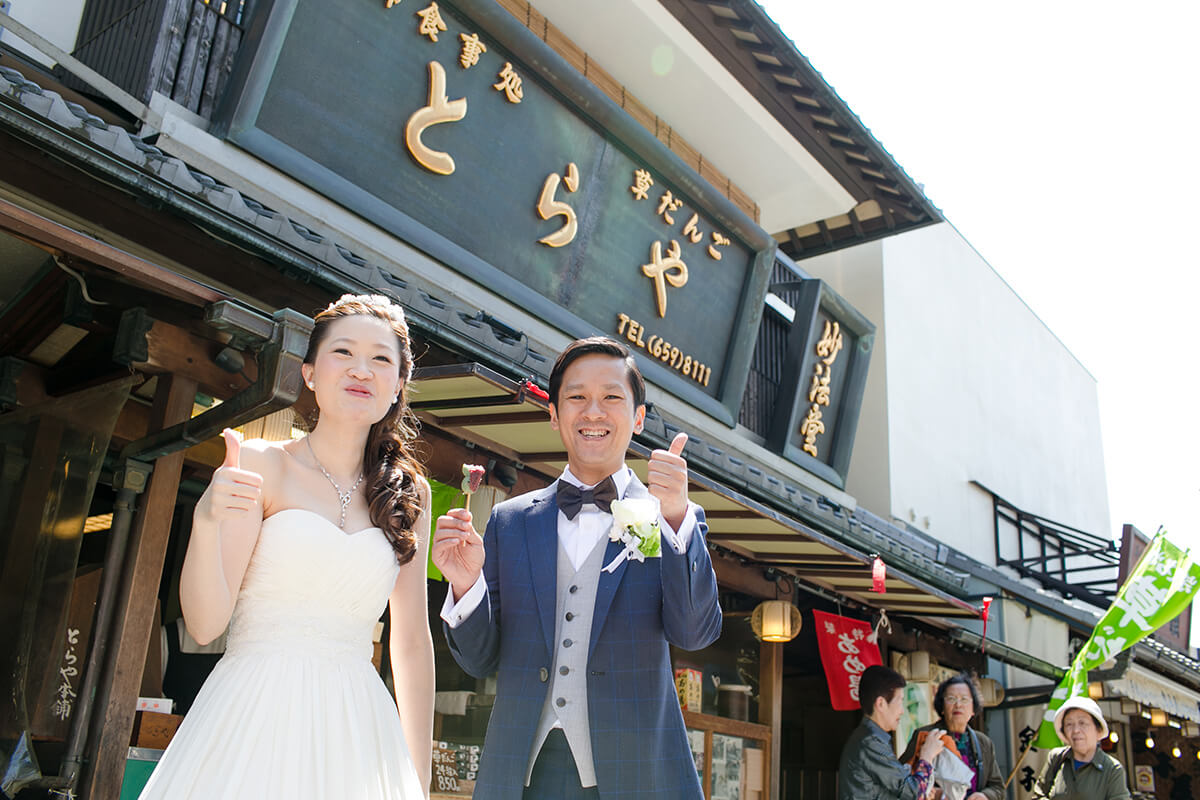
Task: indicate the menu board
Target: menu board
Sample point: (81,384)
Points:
(454,768)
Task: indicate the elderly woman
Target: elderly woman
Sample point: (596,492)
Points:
(1081,769)
(956,702)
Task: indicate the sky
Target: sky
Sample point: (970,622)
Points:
(1060,139)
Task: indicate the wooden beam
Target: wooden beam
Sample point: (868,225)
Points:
(790,536)
(907,593)
(816,560)
(27,323)
(770,709)
(36,480)
(171,237)
(530,458)
(745,578)
(738,514)
(171,349)
(797,242)
(725,725)
(55,238)
(513,418)
(134,621)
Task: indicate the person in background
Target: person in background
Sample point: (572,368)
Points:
(1081,770)
(956,702)
(869,767)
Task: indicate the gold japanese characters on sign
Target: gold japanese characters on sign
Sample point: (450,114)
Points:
(472,48)
(718,241)
(440,109)
(818,393)
(662,350)
(641,184)
(510,84)
(666,268)
(668,203)
(662,271)
(431,22)
(548,207)
(671,269)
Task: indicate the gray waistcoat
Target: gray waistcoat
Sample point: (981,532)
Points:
(566,699)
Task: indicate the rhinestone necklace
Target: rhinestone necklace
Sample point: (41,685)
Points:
(343,497)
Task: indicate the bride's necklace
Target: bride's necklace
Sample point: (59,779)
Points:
(343,497)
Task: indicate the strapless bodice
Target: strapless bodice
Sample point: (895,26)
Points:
(313,588)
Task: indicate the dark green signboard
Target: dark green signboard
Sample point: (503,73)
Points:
(823,377)
(458,130)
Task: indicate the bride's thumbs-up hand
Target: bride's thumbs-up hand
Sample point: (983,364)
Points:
(234,491)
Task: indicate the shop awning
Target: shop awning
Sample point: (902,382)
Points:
(509,418)
(1151,689)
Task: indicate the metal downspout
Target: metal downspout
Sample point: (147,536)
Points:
(130,480)
(282,342)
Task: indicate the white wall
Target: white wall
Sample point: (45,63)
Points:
(977,388)
(57,21)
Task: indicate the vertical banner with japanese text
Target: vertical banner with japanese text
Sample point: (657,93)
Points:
(1160,587)
(847,647)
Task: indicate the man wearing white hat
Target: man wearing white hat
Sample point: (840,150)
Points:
(1081,770)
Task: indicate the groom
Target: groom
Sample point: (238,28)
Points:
(585,702)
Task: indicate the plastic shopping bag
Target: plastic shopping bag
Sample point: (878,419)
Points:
(952,775)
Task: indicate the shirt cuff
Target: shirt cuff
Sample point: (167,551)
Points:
(679,540)
(454,613)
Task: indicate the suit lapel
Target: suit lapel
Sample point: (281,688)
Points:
(541,537)
(609,581)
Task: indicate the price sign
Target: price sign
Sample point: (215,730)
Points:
(455,767)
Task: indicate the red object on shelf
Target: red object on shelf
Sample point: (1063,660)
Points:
(987,605)
(535,390)
(879,576)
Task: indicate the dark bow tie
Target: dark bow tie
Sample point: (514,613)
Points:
(571,498)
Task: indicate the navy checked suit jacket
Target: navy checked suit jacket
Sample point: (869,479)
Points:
(638,738)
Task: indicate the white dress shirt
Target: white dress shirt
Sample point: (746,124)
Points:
(578,537)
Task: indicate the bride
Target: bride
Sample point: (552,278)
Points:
(298,547)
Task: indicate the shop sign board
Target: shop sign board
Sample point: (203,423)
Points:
(454,127)
(824,373)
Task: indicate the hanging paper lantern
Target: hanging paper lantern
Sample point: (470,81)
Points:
(775,621)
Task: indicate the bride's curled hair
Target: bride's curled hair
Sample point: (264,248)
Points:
(390,468)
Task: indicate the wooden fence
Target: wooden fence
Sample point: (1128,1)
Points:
(183,49)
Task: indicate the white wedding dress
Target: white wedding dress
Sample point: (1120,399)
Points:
(295,708)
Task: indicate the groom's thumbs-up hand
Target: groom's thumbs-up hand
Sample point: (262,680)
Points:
(234,491)
(667,480)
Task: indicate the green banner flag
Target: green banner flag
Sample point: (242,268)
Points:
(1159,588)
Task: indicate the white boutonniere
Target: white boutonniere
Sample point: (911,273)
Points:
(635,522)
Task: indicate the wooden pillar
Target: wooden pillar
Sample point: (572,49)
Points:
(134,621)
(770,709)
